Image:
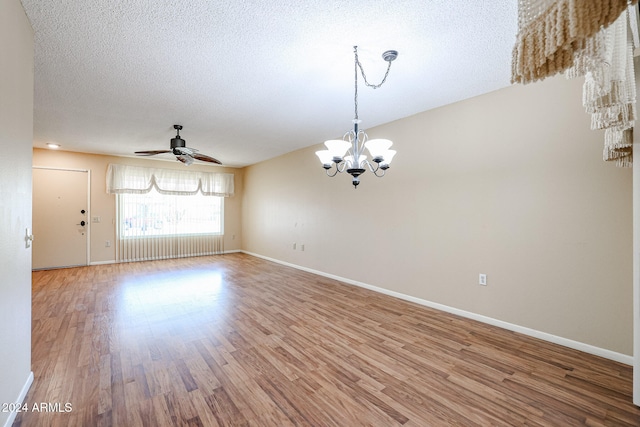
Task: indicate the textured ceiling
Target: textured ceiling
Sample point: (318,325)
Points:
(250,80)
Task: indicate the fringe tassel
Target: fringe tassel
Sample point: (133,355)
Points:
(625,162)
(616,117)
(618,146)
(584,38)
(551,31)
(606,61)
(593,57)
(599,94)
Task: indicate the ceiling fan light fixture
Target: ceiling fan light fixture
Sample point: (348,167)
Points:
(186,159)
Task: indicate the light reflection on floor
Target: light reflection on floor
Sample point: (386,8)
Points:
(173,288)
(163,299)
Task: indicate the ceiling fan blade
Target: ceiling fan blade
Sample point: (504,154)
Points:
(151,152)
(205,158)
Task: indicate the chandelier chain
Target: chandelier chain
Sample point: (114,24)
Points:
(364,76)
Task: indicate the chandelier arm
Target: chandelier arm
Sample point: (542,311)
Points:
(382,174)
(371,168)
(377,171)
(331,175)
(362,140)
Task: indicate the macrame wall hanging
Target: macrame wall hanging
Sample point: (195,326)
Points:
(590,38)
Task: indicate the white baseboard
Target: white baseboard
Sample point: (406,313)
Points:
(111,261)
(20,399)
(576,345)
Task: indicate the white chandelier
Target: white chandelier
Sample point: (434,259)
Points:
(347,154)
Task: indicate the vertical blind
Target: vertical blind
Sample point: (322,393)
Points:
(163,213)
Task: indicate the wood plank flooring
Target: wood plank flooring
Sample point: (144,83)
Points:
(233,340)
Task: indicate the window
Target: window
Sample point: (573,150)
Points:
(154,214)
(168,213)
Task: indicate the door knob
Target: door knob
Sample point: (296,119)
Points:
(82,223)
(28,238)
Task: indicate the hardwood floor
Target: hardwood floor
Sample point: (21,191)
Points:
(234,340)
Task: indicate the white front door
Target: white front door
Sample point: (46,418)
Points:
(60,218)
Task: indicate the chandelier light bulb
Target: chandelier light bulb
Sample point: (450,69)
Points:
(377,148)
(387,157)
(337,147)
(325,157)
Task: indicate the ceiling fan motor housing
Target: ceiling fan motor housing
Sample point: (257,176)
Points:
(177,142)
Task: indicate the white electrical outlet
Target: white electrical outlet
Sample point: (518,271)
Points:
(107,244)
(294,246)
(302,247)
(482,279)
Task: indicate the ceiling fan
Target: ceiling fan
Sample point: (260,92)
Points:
(183,153)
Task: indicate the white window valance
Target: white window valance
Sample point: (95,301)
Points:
(140,180)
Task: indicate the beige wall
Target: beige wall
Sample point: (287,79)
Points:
(16,122)
(103,204)
(510,184)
